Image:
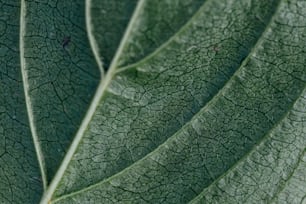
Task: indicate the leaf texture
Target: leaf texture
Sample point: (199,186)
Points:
(20,176)
(197,101)
(61,80)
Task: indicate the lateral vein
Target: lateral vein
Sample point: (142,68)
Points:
(27,97)
(163,45)
(91,38)
(265,137)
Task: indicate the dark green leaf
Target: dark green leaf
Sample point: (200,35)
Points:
(153,101)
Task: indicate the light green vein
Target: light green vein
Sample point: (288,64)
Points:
(289,177)
(92,40)
(254,149)
(27,97)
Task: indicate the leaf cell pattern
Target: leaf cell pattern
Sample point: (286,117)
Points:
(199,101)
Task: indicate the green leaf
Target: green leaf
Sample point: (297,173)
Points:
(20,178)
(153,101)
(59,81)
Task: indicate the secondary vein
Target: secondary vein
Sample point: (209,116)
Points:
(265,137)
(165,44)
(92,40)
(27,97)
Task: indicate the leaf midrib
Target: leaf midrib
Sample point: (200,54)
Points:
(206,106)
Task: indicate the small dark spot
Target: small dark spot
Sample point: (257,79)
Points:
(66,41)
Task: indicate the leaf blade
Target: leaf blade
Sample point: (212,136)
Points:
(150,32)
(88,142)
(213,110)
(21,180)
(259,175)
(62,79)
(99,94)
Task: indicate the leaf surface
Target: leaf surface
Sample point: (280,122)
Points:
(153,102)
(20,176)
(60,80)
